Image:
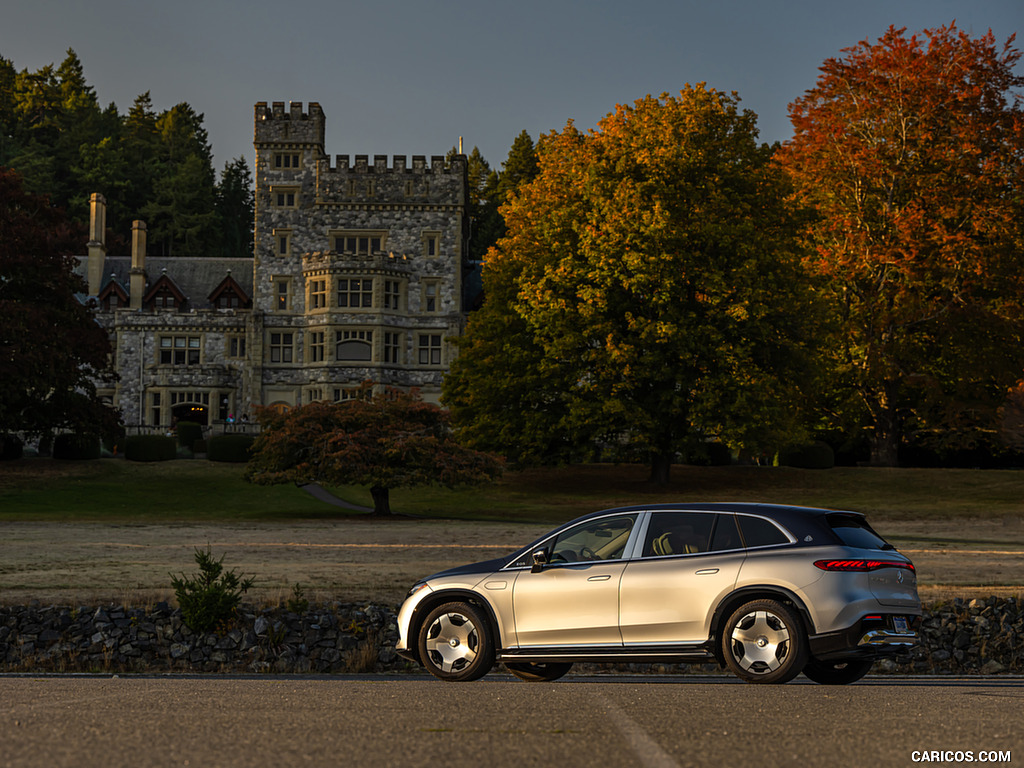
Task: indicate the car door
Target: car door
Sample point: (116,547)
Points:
(574,599)
(688,561)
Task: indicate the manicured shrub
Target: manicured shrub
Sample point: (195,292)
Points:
(188,433)
(233,448)
(149,448)
(11,448)
(816,455)
(75,447)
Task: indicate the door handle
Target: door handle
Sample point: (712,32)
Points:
(707,571)
(600,578)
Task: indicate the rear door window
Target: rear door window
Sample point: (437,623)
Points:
(855,532)
(678,533)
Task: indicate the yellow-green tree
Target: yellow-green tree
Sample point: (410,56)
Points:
(646,296)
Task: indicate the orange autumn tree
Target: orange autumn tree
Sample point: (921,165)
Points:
(646,297)
(386,440)
(910,150)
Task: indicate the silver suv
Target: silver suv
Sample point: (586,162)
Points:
(767,591)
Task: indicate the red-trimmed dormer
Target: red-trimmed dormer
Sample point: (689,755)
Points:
(164,294)
(113,295)
(229,295)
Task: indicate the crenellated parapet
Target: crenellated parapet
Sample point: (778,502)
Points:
(276,125)
(361,165)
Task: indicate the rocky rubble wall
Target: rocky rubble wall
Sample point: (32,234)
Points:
(982,636)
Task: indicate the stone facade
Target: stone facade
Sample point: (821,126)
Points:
(357,275)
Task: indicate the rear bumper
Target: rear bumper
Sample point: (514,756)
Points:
(866,639)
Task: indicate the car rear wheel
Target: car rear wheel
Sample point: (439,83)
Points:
(838,672)
(455,643)
(538,672)
(763,641)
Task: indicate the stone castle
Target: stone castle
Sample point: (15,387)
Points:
(358,274)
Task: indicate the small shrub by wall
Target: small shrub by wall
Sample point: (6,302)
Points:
(232,448)
(150,448)
(74,447)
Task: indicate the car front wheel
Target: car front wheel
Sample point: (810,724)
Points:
(763,641)
(538,672)
(839,672)
(455,643)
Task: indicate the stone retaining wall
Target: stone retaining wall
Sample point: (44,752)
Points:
(983,636)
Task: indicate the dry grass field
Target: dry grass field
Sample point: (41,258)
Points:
(74,534)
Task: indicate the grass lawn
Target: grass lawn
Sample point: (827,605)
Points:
(115,490)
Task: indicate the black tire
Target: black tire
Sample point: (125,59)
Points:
(838,671)
(455,642)
(764,641)
(539,672)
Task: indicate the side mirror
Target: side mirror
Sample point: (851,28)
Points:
(540,559)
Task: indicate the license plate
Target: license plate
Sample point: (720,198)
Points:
(899,623)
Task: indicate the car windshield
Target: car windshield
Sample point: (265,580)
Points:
(855,532)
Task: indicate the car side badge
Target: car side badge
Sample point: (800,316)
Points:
(808,537)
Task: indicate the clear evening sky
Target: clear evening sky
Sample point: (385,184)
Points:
(411,76)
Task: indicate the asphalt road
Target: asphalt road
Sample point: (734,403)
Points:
(407,721)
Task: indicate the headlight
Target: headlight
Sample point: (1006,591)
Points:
(416,588)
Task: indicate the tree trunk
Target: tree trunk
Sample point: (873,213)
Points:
(885,441)
(661,464)
(381,501)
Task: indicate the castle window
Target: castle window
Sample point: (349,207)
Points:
(286,160)
(359,242)
(353,345)
(179,350)
(431,243)
(392,347)
(316,346)
(236,347)
(154,408)
(282,294)
(283,242)
(355,293)
(285,197)
(313,394)
(392,294)
(431,297)
(348,394)
(429,349)
(317,293)
(282,347)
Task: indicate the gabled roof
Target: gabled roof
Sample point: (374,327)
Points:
(164,282)
(113,285)
(195,276)
(228,284)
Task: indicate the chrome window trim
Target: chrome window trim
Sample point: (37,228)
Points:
(791,538)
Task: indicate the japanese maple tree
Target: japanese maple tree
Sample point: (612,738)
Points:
(910,150)
(385,440)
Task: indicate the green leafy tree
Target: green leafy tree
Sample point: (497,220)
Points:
(210,598)
(385,441)
(51,348)
(909,151)
(646,295)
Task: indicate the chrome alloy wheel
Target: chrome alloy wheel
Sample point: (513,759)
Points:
(760,642)
(452,642)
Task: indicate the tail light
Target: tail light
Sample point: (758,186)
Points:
(861,565)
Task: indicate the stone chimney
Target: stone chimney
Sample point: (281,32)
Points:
(97,245)
(137,276)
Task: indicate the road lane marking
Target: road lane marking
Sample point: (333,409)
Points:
(648,751)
